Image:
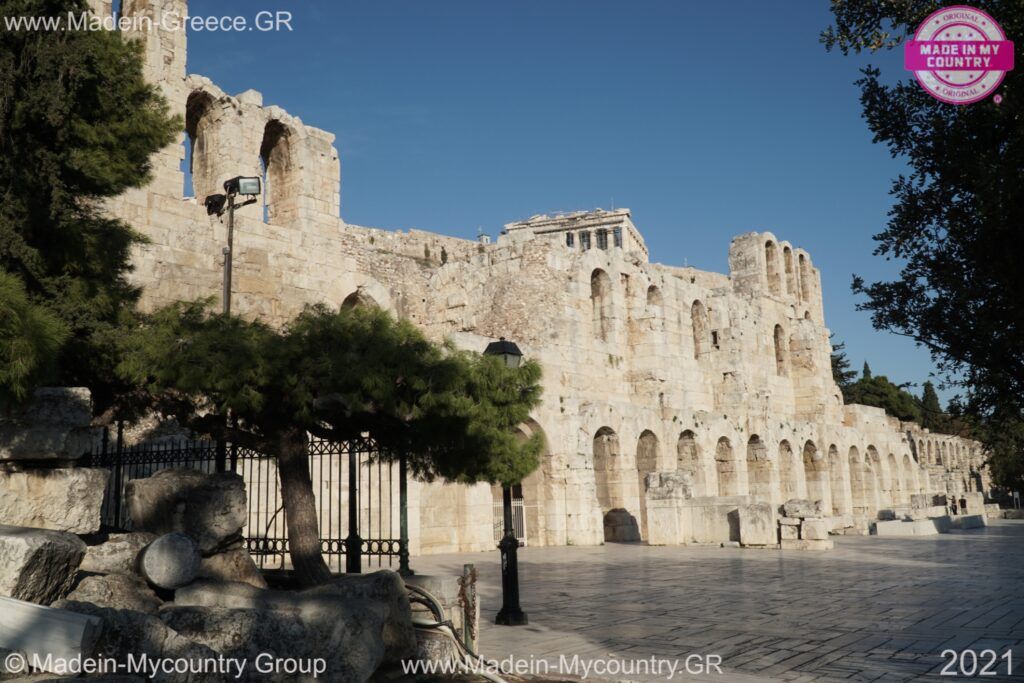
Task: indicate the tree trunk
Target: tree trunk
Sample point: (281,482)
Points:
(300,510)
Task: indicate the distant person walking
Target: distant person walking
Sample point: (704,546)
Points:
(963,505)
(952,506)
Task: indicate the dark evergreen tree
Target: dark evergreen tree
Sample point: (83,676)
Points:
(932,415)
(336,375)
(78,124)
(842,375)
(955,227)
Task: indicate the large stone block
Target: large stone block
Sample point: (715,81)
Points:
(211,508)
(63,499)
(128,632)
(232,565)
(117,554)
(54,425)
(969,521)
(798,507)
(757,524)
(814,529)
(919,527)
(117,591)
(788,532)
(38,565)
(807,544)
(382,588)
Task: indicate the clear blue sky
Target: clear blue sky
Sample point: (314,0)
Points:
(706,119)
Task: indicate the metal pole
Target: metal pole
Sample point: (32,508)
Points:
(229,255)
(119,475)
(469,614)
(222,457)
(403,504)
(511,613)
(353,544)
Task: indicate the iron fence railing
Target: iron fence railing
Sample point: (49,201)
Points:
(361,495)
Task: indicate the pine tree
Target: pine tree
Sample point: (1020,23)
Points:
(932,415)
(842,375)
(336,375)
(30,338)
(866,372)
(78,124)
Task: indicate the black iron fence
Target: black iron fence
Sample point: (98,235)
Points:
(361,496)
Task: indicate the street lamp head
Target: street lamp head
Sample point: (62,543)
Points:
(507,351)
(242,185)
(215,204)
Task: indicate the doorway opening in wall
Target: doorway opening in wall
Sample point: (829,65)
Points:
(518,514)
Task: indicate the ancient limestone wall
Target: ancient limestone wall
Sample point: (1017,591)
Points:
(647,367)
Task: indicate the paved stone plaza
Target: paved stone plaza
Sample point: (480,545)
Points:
(872,609)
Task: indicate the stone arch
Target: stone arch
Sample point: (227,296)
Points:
(771,259)
(616,488)
(727,468)
(805,278)
(688,459)
(601,304)
(781,351)
(360,299)
(892,479)
(280,206)
(654,299)
(647,458)
(787,258)
(655,307)
(606,454)
(840,490)
(873,487)
(701,329)
(536,490)
(910,479)
(858,482)
(200,154)
(759,469)
(816,475)
(788,479)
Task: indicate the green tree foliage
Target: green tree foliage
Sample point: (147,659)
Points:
(955,227)
(30,338)
(842,375)
(878,391)
(78,124)
(336,375)
(933,417)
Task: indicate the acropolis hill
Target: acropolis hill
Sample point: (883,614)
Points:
(649,369)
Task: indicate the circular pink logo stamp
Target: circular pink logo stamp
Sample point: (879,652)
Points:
(959,54)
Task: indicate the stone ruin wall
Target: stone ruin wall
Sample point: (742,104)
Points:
(647,367)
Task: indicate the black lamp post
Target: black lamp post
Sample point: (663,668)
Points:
(215,205)
(511,614)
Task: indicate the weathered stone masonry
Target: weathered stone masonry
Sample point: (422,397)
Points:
(648,368)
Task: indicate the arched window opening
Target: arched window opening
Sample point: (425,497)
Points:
(787,258)
(688,460)
(279,190)
(816,475)
(646,463)
(781,366)
(805,278)
(701,329)
(788,481)
(771,258)
(728,472)
(759,469)
(198,165)
(601,304)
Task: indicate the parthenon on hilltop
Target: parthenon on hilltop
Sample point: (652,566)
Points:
(649,369)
